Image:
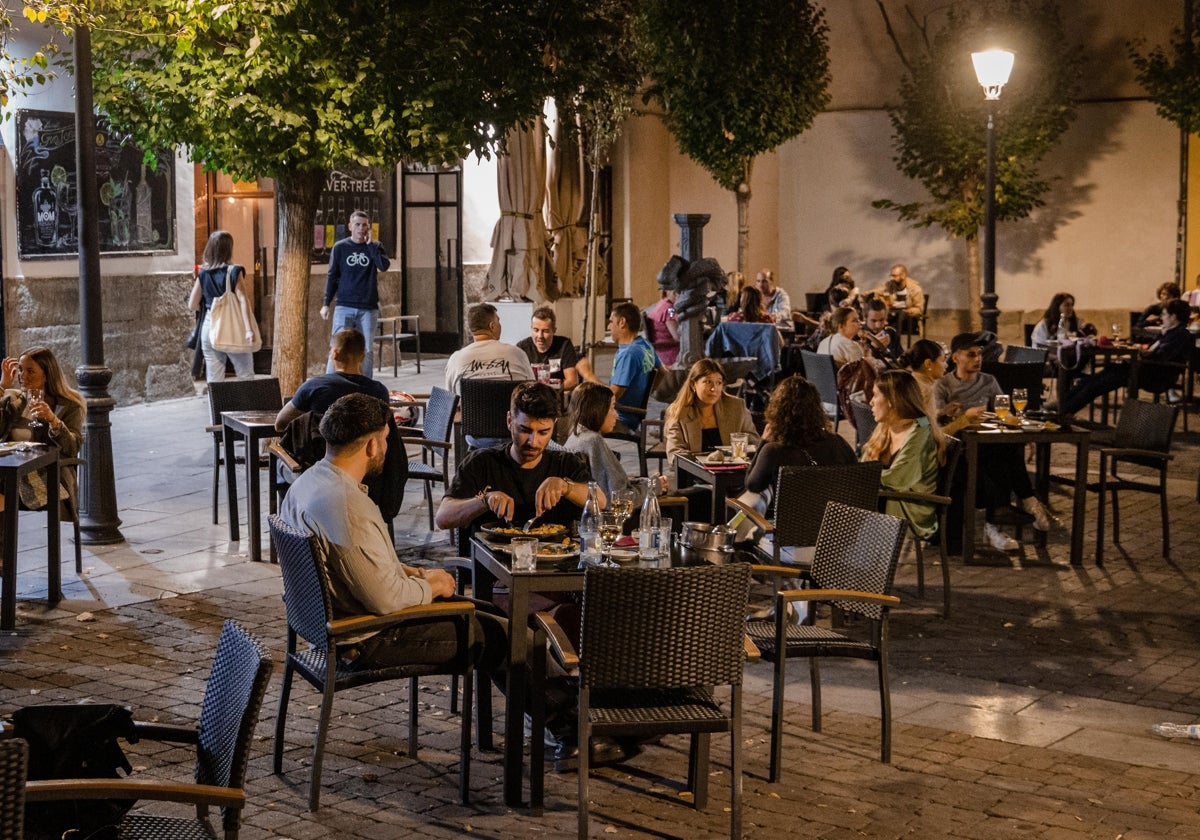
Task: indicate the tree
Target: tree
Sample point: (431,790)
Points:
(1172,79)
(939,125)
(735,78)
(289,89)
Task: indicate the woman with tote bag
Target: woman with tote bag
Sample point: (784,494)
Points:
(229,330)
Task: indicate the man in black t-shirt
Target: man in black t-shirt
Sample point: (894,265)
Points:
(544,347)
(319,392)
(521,479)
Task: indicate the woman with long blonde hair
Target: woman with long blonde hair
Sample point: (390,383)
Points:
(703,416)
(908,443)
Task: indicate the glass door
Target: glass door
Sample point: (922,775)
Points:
(430,258)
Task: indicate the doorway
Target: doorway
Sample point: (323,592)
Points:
(430,254)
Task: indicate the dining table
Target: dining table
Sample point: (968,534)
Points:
(492,568)
(16,461)
(252,427)
(1042,436)
(1094,357)
(725,478)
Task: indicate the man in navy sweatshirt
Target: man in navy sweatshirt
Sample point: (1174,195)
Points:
(353,279)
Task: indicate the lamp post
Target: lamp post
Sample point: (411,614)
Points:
(992,68)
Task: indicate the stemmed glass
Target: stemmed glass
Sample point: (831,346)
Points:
(610,532)
(1020,399)
(31,395)
(1116,333)
(621,504)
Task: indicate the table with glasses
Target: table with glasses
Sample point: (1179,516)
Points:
(1042,439)
(253,427)
(492,568)
(724,479)
(15,462)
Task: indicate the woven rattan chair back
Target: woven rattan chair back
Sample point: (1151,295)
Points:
(229,712)
(857,550)
(243,395)
(864,423)
(306,588)
(439,414)
(802,493)
(485,405)
(1145,425)
(14,764)
(663,628)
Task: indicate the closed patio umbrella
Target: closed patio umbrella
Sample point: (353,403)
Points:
(519,254)
(564,207)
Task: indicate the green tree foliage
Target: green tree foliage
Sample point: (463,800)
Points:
(939,125)
(1171,76)
(735,78)
(291,88)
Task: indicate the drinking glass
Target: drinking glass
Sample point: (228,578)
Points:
(1020,399)
(737,442)
(621,504)
(1000,405)
(1116,332)
(610,532)
(33,396)
(524,554)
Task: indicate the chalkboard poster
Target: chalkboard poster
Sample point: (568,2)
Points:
(349,188)
(137,202)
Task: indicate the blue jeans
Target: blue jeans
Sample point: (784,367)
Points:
(365,321)
(214,359)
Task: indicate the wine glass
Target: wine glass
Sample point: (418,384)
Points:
(610,532)
(32,397)
(1116,328)
(1020,399)
(621,504)
(1000,406)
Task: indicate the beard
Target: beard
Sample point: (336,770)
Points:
(375,464)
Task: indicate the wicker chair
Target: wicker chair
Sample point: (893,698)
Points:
(853,570)
(820,370)
(435,443)
(654,643)
(236,395)
(1142,439)
(14,763)
(942,501)
(485,405)
(801,494)
(307,596)
(228,715)
(864,423)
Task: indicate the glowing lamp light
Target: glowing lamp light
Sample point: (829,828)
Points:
(992,68)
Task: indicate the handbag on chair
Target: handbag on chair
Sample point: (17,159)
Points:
(232,328)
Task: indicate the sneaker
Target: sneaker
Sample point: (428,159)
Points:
(1043,520)
(999,540)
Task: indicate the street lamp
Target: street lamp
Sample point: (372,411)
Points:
(992,68)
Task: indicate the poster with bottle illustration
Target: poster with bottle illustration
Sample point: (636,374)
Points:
(353,187)
(137,201)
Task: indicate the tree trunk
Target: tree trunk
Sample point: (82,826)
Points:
(974,282)
(296,200)
(743,216)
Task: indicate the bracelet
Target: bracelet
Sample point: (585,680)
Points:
(482,495)
(570,484)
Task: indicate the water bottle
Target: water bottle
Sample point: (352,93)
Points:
(1178,730)
(1062,327)
(589,525)
(648,547)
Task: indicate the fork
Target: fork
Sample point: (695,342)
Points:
(529,524)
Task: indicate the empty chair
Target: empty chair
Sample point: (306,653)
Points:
(864,422)
(821,371)
(236,395)
(223,739)
(1142,440)
(308,599)
(435,443)
(853,569)
(653,645)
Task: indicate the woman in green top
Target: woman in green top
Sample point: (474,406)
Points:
(910,446)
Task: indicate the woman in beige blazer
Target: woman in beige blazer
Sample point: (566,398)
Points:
(703,415)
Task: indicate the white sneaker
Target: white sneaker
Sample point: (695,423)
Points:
(999,540)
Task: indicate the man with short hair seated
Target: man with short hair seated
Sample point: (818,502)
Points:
(330,501)
(545,347)
(317,393)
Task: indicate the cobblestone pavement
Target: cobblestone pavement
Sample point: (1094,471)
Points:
(1027,713)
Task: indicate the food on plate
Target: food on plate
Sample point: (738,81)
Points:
(559,549)
(535,531)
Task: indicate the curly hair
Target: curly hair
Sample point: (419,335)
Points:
(794,413)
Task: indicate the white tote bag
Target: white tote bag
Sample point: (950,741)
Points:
(231,320)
